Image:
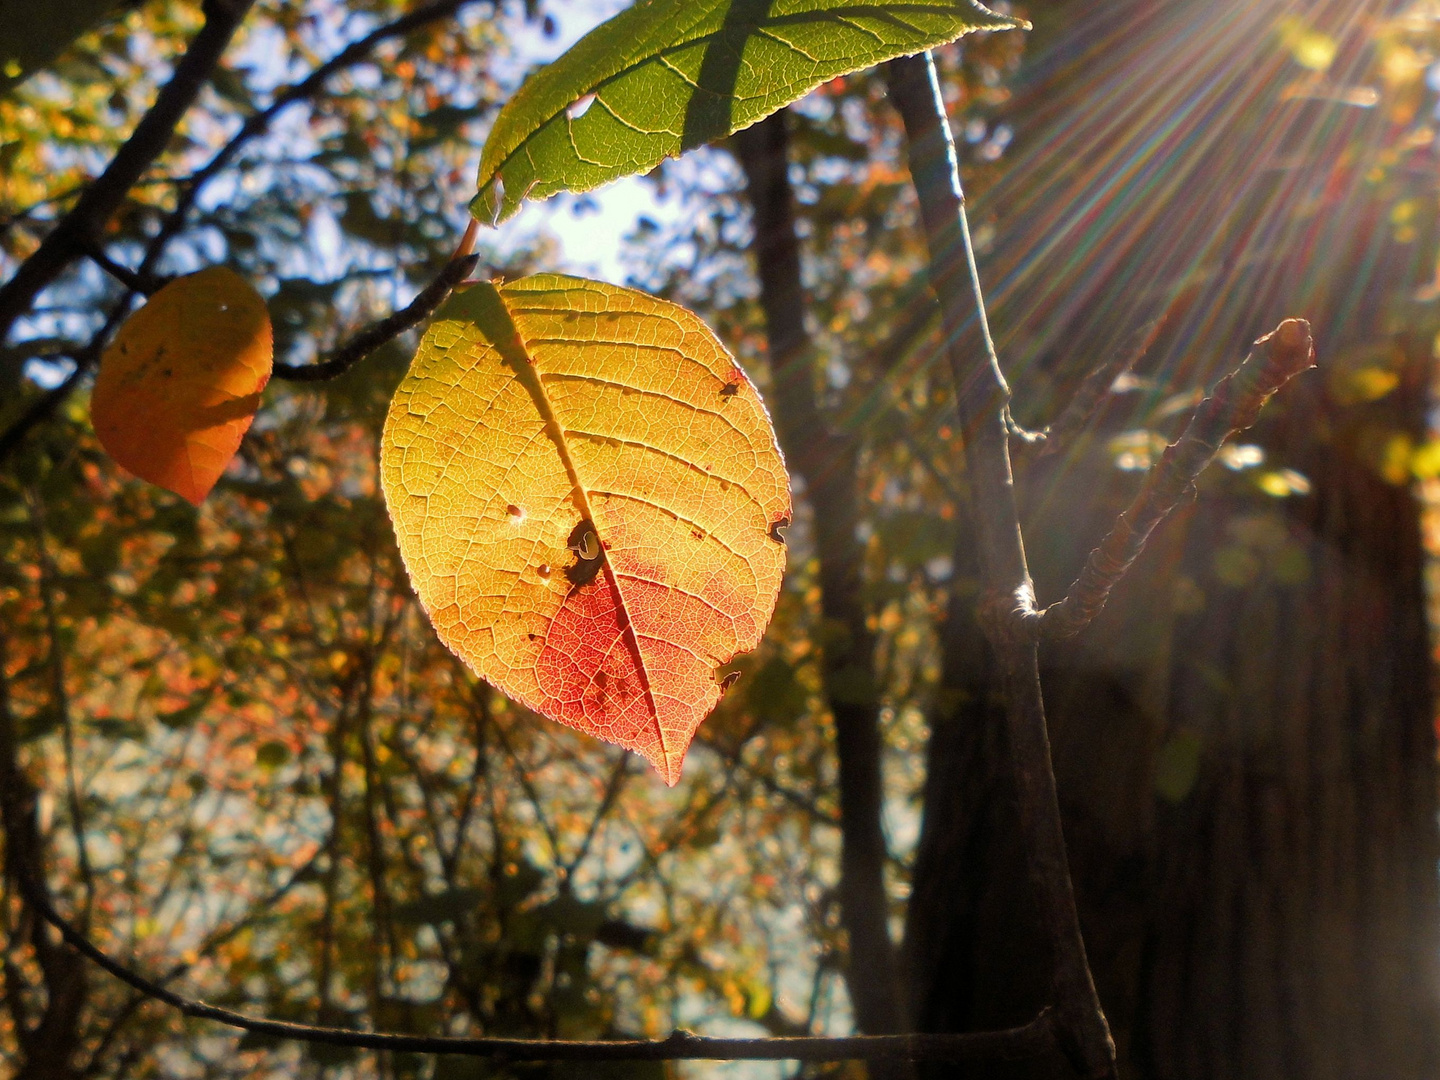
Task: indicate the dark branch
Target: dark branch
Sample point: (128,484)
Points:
(387,329)
(828,459)
(1029,1040)
(77,229)
(982,412)
(145,286)
(40,410)
(1234,406)
(259,123)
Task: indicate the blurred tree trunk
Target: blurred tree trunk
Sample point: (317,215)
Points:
(1245,741)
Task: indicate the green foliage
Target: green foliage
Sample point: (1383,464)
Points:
(666,76)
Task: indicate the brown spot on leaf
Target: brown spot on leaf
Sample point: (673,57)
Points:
(589,555)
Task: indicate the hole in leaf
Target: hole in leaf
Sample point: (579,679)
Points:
(585,544)
(579,107)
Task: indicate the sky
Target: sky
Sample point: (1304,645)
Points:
(590,228)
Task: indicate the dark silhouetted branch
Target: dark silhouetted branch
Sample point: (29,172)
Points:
(145,286)
(77,230)
(259,123)
(1029,1040)
(387,329)
(982,405)
(1233,406)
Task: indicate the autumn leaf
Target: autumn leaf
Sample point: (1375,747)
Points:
(666,76)
(587,494)
(179,385)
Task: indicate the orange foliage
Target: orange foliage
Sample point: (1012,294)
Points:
(180,384)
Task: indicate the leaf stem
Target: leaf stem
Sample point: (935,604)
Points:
(384,330)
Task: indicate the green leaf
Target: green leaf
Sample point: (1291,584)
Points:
(666,76)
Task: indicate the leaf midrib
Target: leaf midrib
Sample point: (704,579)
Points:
(527,374)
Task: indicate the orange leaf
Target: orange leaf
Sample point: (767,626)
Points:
(180,384)
(586,492)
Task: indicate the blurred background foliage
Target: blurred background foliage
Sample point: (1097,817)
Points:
(258,774)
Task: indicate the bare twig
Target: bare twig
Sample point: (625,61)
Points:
(1093,390)
(1233,406)
(982,400)
(388,328)
(77,229)
(145,286)
(1029,1040)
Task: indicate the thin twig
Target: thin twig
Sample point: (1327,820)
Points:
(1095,388)
(1029,1040)
(1233,406)
(378,333)
(145,286)
(982,412)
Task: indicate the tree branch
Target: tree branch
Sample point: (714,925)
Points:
(259,123)
(77,230)
(981,403)
(829,462)
(69,241)
(1233,406)
(1029,1040)
(387,329)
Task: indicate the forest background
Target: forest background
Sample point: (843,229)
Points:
(232,741)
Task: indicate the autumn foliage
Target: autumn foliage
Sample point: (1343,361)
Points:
(587,494)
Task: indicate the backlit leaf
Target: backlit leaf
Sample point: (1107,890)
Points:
(180,384)
(666,76)
(587,493)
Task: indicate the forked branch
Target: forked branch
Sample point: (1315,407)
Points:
(1232,407)
(982,411)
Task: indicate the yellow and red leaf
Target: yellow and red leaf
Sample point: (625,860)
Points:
(586,491)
